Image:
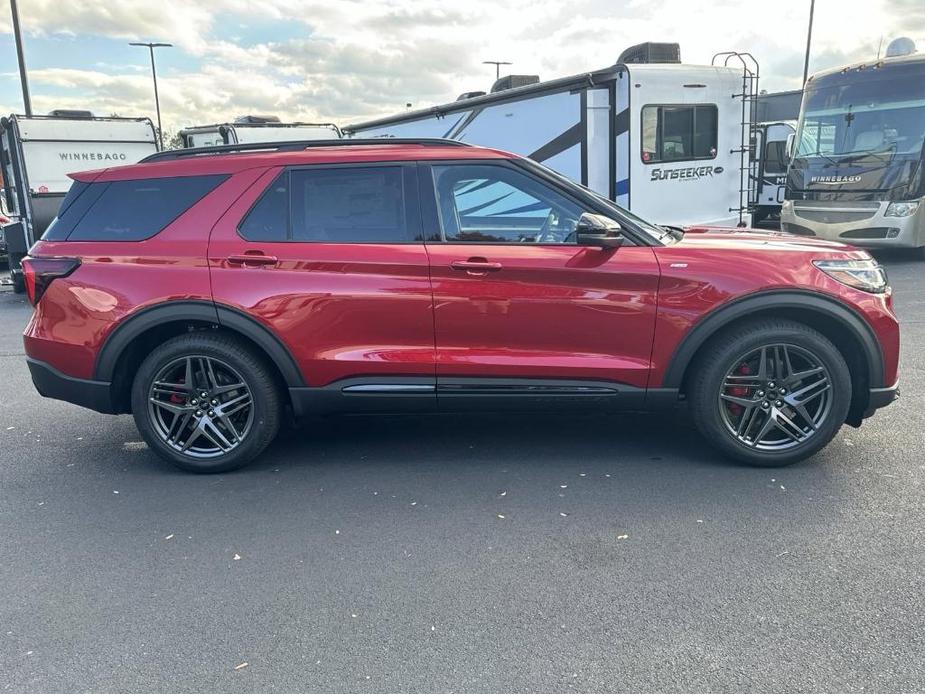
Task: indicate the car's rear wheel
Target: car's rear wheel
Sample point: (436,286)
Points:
(206,402)
(770,392)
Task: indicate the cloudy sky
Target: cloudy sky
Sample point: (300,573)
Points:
(344,60)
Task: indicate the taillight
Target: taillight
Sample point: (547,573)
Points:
(40,272)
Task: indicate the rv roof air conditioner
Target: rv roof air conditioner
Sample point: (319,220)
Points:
(70,113)
(469,95)
(513,81)
(651,52)
(251,120)
(900,46)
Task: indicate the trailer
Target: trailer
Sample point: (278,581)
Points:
(37,153)
(666,140)
(254,129)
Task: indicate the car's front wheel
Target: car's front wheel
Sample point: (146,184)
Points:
(770,392)
(205,402)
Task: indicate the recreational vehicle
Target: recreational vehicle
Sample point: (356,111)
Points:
(665,140)
(251,129)
(858,172)
(38,152)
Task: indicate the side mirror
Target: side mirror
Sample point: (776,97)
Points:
(791,138)
(598,230)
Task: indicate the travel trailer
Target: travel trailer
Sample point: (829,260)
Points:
(857,170)
(251,129)
(38,152)
(665,140)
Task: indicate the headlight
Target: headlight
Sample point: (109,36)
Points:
(866,275)
(901,209)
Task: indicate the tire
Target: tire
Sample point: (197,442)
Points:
(809,413)
(19,282)
(229,371)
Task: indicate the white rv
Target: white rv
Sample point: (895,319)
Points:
(254,129)
(38,152)
(667,141)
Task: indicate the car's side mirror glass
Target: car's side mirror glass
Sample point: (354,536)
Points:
(598,230)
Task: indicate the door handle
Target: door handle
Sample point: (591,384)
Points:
(252,260)
(476,266)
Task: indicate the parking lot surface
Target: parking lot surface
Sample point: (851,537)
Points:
(487,553)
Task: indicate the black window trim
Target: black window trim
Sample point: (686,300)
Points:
(413,220)
(715,108)
(429,209)
(222,178)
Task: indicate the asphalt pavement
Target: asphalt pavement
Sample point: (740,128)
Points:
(468,554)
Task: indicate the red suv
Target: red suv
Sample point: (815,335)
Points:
(209,292)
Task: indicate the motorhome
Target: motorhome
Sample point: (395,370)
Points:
(251,129)
(38,152)
(666,140)
(857,172)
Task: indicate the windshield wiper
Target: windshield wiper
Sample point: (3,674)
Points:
(675,232)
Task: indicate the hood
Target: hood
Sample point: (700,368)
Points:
(735,238)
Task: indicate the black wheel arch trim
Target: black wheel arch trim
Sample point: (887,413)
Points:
(193,310)
(725,314)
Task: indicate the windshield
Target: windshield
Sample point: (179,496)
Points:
(873,115)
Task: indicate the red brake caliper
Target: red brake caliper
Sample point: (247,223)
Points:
(739,391)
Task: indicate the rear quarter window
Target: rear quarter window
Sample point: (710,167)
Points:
(127,210)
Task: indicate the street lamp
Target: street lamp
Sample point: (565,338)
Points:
(497,64)
(809,40)
(20,56)
(157,102)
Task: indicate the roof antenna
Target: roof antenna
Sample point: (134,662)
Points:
(879,46)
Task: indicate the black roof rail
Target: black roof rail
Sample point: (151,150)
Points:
(298,146)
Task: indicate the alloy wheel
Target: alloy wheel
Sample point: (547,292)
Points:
(775,397)
(200,406)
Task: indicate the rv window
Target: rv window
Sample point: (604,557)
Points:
(128,210)
(775,158)
(678,133)
(494,204)
(268,220)
(349,205)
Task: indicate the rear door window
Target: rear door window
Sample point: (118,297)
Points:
(127,210)
(348,204)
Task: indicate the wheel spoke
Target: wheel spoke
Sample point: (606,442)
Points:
(171,407)
(212,432)
(174,432)
(788,426)
(234,405)
(763,431)
(744,402)
(746,421)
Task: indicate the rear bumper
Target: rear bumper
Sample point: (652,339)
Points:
(51,383)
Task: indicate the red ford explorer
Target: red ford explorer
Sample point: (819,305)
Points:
(211,292)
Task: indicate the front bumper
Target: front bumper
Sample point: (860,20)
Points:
(861,223)
(881,397)
(51,383)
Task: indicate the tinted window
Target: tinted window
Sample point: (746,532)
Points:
(495,204)
(268,220)
(58,231)
(348,205)
(775,158)
(128,210)
(678,133)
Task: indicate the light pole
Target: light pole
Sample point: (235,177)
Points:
(809,40)
(497,64)
(24,80)
(157,101)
